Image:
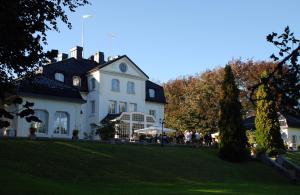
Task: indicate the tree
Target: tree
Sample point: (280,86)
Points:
(233,138)
(285,78)
(107,129)
(23,27)
(267,125)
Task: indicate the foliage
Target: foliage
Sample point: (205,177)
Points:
(23,27)
(18,109)
(193,102)
(107,129)
(233,138)
(285,78)
(251,137)
(266,121)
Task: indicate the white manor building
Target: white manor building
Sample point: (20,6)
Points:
(76,93)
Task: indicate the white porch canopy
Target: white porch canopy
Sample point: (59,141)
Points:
(153,130)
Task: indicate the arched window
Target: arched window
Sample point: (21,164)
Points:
(61,123)
(59,77)
(115,85)
(152,93)
(77,81)
(41,127)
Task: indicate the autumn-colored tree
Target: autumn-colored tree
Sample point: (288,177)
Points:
(233,138)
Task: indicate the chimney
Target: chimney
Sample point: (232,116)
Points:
(76,52)
(62,56)
(99,57)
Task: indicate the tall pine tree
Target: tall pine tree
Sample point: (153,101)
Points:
(268,135)
(233,138)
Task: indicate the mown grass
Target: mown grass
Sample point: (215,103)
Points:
(55,167)
(293,157)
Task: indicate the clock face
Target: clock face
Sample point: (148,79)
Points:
(123,67)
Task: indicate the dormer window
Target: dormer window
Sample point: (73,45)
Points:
(59,77)
(76,81)
(151,93)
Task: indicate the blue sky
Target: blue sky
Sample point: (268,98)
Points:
(171,38)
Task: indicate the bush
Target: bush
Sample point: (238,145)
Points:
(75,134)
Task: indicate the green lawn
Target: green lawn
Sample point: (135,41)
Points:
(54,167)
(293,157)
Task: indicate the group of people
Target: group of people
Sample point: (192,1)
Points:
(180,137)
(194,137)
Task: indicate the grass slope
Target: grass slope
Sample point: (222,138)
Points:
(294,157)
(54,167)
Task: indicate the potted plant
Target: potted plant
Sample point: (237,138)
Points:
(75,134)
(32,131)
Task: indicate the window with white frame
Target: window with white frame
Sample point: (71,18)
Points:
(153,113)
(152,93)
(93,107)
(122,107)
(59,77)
(92,84)
(115,85)
(77,81)
(132,107)
(112,107)
(138,117)
(41,127)
(130,87)
(61,123)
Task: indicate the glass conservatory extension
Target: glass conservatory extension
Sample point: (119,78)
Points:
(131,121)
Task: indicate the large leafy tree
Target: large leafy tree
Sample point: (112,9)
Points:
(267,125)
(233,138)
(23,27)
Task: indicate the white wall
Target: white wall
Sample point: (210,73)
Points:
(52,106)
(288,134)
(159,109)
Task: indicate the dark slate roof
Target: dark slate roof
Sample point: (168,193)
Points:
(112,61)
(292,121)
(41,86)
(159,93)
(109,117)
(71,67)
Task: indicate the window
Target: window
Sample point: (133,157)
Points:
(76,81)
(61,123)
(153,113)
(152,93)
(122,107)
(93,108)
(41,127)
(138,117)
(150,119)
(130,87)
(294,139)
(59,77)
(123,67)
(112,107)
(115,85)
(124,130)
(132,107)
(92,84)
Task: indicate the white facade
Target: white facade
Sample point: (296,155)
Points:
(128,93)
(52,108)
(103,94)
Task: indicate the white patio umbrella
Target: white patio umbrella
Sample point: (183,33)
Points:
(153,130)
